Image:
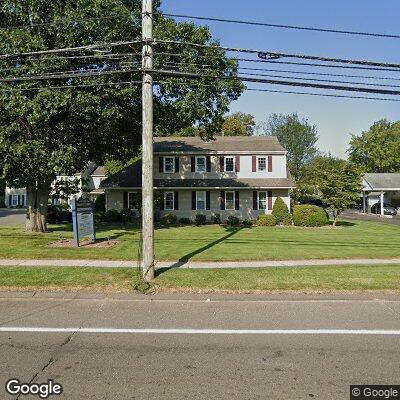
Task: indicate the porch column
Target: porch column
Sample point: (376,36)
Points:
(382,198)
(364,203)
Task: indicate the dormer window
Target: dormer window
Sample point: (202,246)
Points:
(169,165)
(262,164)
(229,164)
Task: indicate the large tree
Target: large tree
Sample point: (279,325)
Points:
(377,150)
(45,132)
(238,124)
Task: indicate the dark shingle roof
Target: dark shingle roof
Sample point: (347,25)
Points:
(220,144)
(383,181)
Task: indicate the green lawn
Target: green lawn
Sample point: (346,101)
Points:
(353,239)
(298,279)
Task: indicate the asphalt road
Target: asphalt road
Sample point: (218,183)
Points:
(12,216)
(200,365)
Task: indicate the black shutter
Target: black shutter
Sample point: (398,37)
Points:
(162,201)
(193,201)
(237,201)
(176,201)
(19,200)
(222,164)
(23,199)
(208,161)
(161,164)
(255,200)
(222,201)
(193,163)
(208,202)
(125,205)
(176,164)
(10,200)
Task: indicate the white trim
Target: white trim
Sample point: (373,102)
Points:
(205,164)
(173,165)
(165,201)
(234,163)
(234,200)
(205,200)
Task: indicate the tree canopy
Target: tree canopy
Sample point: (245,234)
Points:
(238,124)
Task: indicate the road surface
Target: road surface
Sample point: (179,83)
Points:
(10,216)
(172,347)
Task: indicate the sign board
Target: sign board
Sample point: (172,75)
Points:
(83,220)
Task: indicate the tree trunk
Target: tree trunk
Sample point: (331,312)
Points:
(36,214)
(335,218)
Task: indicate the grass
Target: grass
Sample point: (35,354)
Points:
(355,239)
(294,279)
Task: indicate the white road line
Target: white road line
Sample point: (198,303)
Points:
(166,331)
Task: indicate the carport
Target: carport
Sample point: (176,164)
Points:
(380,188)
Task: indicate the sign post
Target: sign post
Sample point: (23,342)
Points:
(83,220)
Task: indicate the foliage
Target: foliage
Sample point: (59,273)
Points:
(2,202)
(100,216)
(233,221)
(200,219)
(247,223)
(126,215)
(266,220)
(65,188)
(216,219)
(169,219)
(113,166)
(100,203)
(309,215)
(185,221)
(281,212)
(238,124)
(377,150)
(113,216)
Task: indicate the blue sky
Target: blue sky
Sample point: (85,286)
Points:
(336,119)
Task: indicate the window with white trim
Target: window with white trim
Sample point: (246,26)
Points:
(200,201)
(262,164)
(229,200)
(15,200)
(262,200)
(201,164)
(134,200)
(169,201)
(229,164)
(169,165)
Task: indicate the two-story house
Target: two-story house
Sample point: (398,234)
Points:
(240,176)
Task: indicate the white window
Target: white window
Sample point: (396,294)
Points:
(134,200)
(229,200)
(262,163)
(201,164)
(14,200)
(262,200)
(169,201)
(200,201)
(229,164)
(169,165)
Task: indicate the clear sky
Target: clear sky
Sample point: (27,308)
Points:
(336,119)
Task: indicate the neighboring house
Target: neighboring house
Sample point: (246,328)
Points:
(240,176)
(380,188)
(88,182)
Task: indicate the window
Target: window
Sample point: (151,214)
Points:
(169,165)
(229,200)
(169,201)
(134,201)
(15,200)
(262,200)
(200,201)
(201,164)
(229,164)
(262,163)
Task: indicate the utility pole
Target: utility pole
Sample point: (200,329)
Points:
(147,143)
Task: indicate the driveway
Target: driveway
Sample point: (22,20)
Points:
(12,217)
(355,214)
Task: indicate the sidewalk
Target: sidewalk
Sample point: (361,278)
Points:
(195,264)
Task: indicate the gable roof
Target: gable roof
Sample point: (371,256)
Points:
(383,181)
(99,171)
(219,144)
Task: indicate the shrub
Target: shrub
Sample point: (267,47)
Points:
(185,221)
(169,219)
(2,203)
(216,219)
(266,220)
(281,212)
(112,216)
(126,215)
(200,219)
(233,221)
(247,223)
(309,215)
(100,203)
(99,216)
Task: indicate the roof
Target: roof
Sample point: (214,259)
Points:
(131,177)
(99,171)
(219,144)
(383,181)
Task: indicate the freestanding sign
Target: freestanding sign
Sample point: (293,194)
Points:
(83,220)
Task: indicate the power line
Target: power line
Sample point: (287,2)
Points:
(303,28)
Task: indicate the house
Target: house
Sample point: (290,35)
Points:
(380,188)
(88,181)
(239,176)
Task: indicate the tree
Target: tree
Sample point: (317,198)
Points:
(377,150)
(340,185)
(238,124)
(281,212)
(46,132)
(297,136)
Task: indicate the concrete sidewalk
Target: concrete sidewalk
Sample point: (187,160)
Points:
(196,264)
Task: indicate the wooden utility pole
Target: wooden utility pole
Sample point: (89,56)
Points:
(147,143)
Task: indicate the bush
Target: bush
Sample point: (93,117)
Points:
(185,221)
(247,223)
(266,220)
(126,215)
(99,216)
(169,219)
(200,219)
(309,215)
(233,221)
(112,216)
(281,212)
(100,203)
(216,219)
(2,203)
